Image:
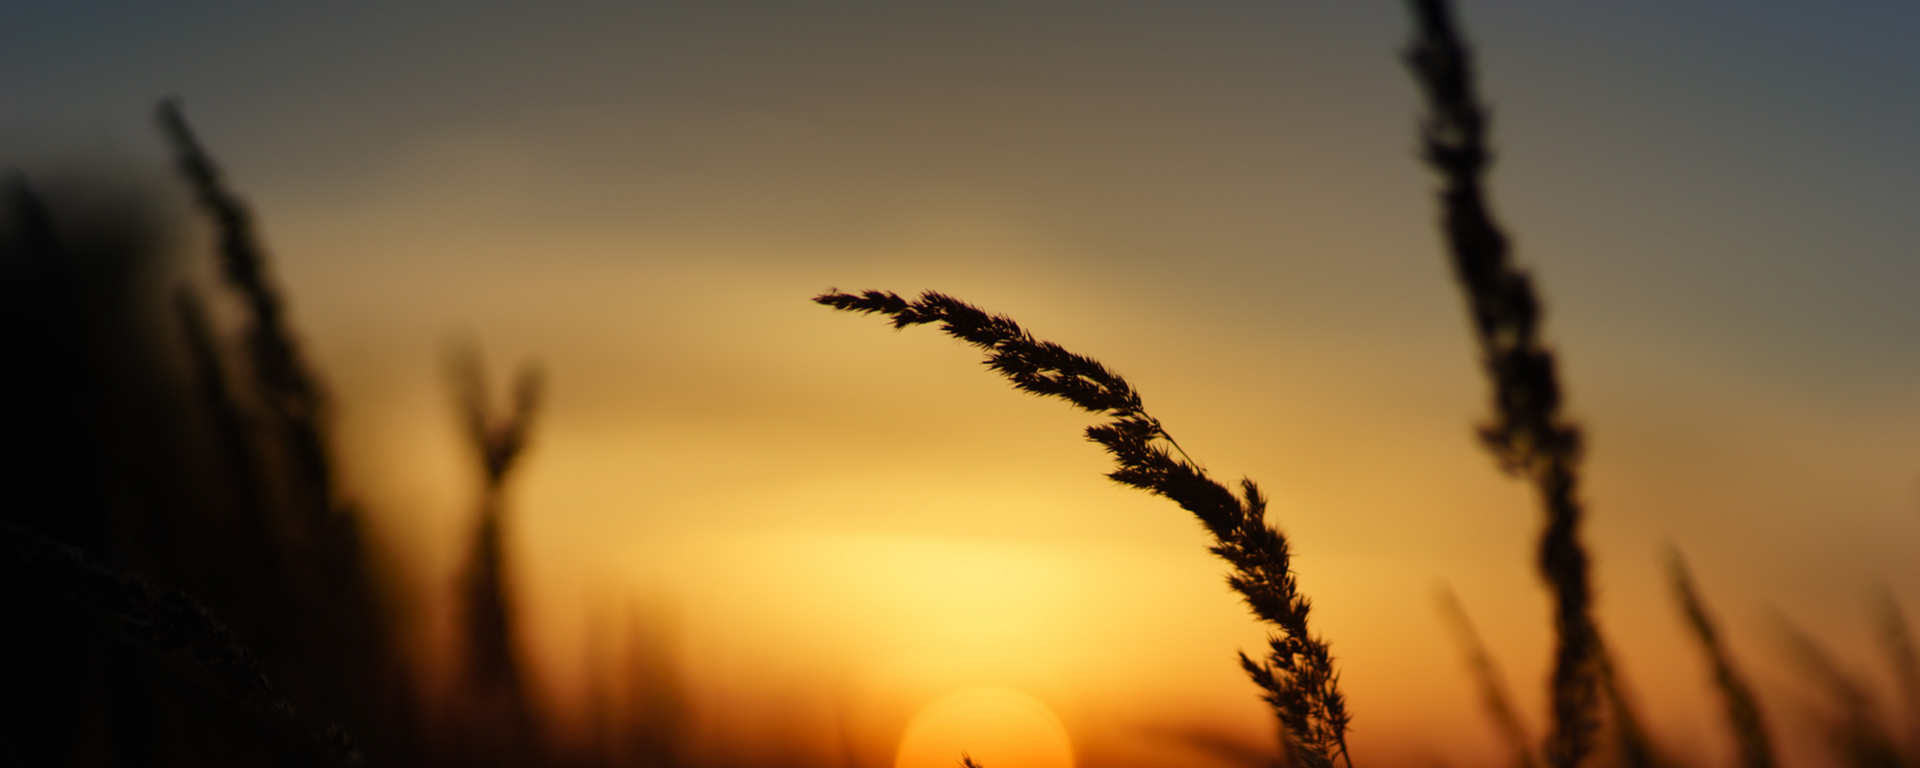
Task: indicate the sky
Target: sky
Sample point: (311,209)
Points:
(836,525)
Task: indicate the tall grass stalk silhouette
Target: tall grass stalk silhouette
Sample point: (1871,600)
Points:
(1736,695)
(1856,728)
(1896,640)
(1297,675)
(1635,748)
(292,393)
(1528,433)
(498,713)
(1493,685)
(322,557)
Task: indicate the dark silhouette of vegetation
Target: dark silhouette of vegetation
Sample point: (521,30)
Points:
(1856,729)
(1493,685)
(169,468)
(1297,674)
(1528,434)
(1635,749)
(497,717)
(1743,709)
(185,582)
(1897,640)
(176,536)
(163,620)
(1533,440)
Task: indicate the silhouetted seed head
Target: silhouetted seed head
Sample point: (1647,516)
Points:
(1527,434)
(1297,675)
(286,382)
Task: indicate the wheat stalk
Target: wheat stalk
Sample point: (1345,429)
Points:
(1297,675)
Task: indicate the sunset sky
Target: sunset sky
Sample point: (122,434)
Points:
(834,525)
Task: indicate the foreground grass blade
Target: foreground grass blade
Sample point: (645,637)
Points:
(1297,675)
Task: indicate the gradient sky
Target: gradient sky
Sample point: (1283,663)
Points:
(1221,200)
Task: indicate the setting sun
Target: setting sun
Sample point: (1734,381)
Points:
(997,727)
(454,384)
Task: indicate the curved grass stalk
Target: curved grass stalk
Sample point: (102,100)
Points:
(1297,675)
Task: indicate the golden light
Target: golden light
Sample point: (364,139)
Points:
(997,727)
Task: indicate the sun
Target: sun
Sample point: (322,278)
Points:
(997,727)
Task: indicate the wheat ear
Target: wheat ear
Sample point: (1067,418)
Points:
(1297,675)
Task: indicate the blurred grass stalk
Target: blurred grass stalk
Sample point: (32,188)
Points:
(1493,685)
(1749,727)
(1528,434)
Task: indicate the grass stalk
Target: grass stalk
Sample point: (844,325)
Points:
(494,674)
(286,382)
(1736,695)
(1855,729)
(1896,640)
(1297,675)
(242,470)
(333,639)
(1635,748)
(1528,433)
(1493,685)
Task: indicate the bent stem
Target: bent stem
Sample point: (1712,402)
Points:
(1297,675)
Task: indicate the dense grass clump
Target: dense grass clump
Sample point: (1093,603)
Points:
(184,580)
